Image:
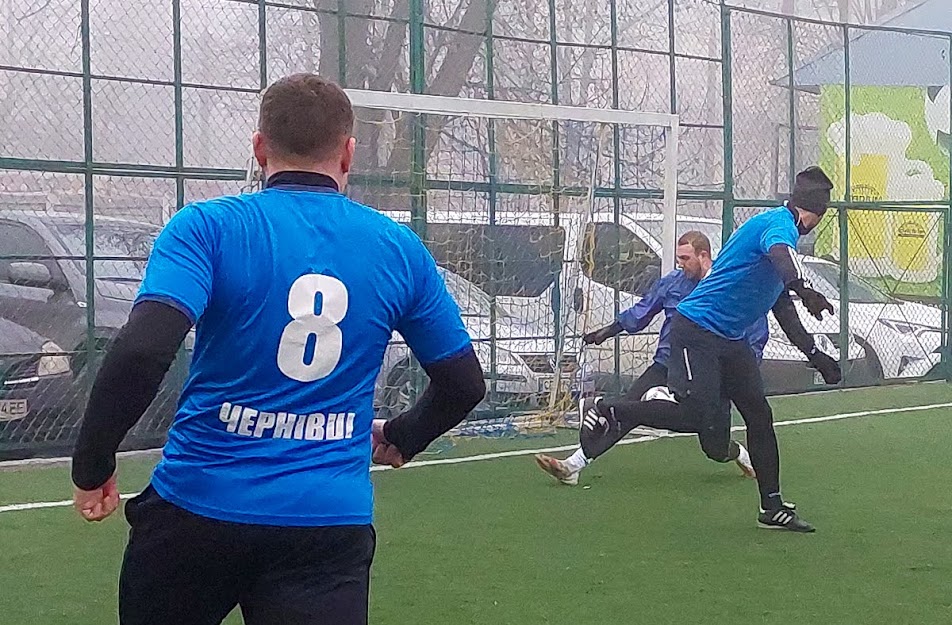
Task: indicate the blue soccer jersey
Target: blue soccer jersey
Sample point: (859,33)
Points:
(295,292)
(743,284)
(665,295)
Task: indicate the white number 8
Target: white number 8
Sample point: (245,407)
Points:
(292,349)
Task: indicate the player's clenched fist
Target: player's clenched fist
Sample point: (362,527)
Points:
(383,451)
(96,505)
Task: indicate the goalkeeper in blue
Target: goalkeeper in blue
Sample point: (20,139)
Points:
(262,498)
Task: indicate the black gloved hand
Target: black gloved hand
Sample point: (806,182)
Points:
(814,301)
(600,336)
(828,368)
(595,338)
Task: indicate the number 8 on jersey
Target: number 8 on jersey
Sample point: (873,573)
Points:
(292,348)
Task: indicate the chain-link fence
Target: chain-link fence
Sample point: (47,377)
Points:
(113,115)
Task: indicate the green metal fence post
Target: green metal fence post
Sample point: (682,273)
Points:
(616,185)
(493,165)
(418,143)
(672,60)
(179,114)
(90,240)
(843,217)
(946,365)
(727,212)
(792,104)
(418,155)
(342,42)
(556,177)
(262,44)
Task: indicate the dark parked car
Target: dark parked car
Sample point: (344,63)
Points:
(43,288)
(37,397)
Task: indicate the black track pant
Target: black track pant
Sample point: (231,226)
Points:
(185,569)
(705,372)
(631,412)
(629,409)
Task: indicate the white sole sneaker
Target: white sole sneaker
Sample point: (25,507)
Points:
(557,469)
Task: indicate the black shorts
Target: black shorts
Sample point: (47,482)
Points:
(184,569)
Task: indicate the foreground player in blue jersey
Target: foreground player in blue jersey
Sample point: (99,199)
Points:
(756,270)
(262,497)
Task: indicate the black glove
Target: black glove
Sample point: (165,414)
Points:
(814,301)
(600,336)
(828,368)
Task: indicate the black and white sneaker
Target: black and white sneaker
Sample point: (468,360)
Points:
(593,426)
(784,518)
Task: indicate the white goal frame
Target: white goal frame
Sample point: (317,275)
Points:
(497,109)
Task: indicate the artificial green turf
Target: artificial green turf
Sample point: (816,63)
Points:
(660,535)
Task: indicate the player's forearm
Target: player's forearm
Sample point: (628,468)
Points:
(456,387)
(125,385)
(786,314)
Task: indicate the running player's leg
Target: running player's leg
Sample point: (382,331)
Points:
(596,434)
(179,568)
(310,576)
(745,387)
(601,435)
(715,437)
(694,376)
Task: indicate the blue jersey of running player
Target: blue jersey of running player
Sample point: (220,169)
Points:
(664,296)
(295,292)
(743,284)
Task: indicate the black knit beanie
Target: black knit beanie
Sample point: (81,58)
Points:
(811,191)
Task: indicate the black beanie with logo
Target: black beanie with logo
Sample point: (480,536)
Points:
(811,191)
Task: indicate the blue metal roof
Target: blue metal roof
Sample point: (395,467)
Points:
(888,58)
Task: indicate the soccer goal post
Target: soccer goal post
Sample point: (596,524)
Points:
(546,221)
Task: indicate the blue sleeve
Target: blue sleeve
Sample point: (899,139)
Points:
(179,272)
(431,325)
(778,232)
(757,336)
(637,318)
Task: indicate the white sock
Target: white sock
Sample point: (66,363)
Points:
(744,457)
(577,461)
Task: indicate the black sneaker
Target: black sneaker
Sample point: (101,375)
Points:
(593,426)
(784,518)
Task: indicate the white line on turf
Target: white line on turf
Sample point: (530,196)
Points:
(17,507)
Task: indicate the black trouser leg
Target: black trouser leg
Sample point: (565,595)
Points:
(179,568)
(695,377)
(185,569)
(627,408)
(745,387)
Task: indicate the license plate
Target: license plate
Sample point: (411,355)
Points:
(13,409)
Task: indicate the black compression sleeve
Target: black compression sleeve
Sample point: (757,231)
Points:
(134,366)
(786,315)
(456,387)
(781,256)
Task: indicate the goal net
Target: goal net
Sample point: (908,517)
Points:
(545,221)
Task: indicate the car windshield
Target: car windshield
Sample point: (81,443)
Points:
(826,279)
(126,247)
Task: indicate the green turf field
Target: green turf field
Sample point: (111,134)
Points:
(660,535)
